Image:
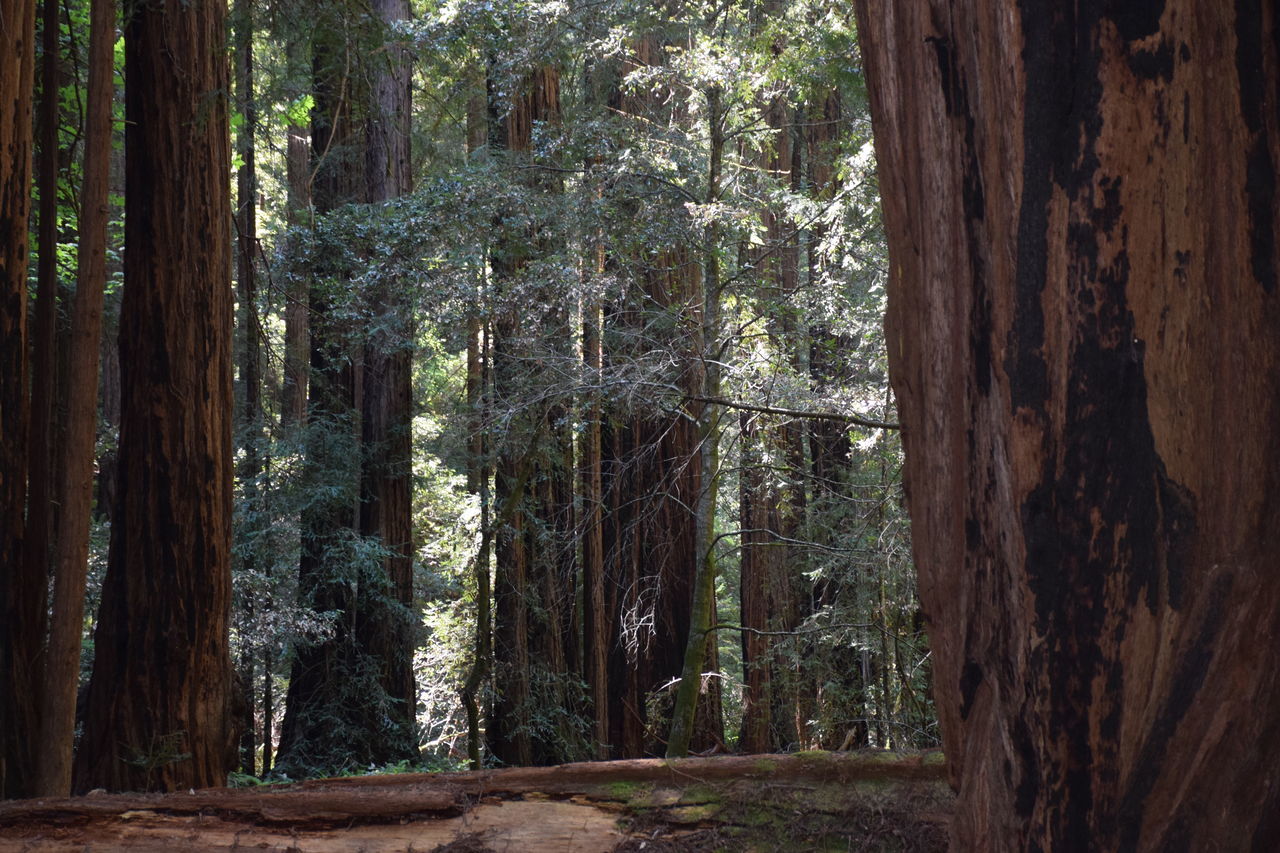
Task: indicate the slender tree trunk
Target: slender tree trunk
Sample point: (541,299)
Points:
(20,594)
(251,426)
(41,488)
(702,615)
(62,670)
(293,404)
(595,631)
(1084,336)
(158,713)
(535,549)
(323,672)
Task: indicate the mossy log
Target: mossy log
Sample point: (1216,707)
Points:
(598,806)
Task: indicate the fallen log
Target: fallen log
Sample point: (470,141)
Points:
(582,807)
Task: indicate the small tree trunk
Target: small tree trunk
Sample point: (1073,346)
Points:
(62,671)
(708,416)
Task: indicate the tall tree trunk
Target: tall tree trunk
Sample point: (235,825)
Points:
(324,672)
(158,713)
(1084,333)
(293,404)
(388,631)
(39,538)
(650,476)
(251,426)
(62,669)
(20,594)
(595,630)
(700,645)
(535,548)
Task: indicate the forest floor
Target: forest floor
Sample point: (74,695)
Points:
(808,801)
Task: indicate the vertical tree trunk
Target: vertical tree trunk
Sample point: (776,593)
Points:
(1084,332)
(388,632)
(293,404)
(535,548)
(71,563)
(323,726)
(158,713)
(39,538)
(20,595)
(700,645)
(650,474)
(595,631)
(251,426)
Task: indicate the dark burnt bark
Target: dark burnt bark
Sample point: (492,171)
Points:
(1083,331)
(159,701)
(19,593)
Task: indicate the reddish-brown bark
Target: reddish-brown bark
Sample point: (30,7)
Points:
(158,709)
(389,631)
(1083,330)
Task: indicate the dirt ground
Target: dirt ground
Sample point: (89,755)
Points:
(809,801)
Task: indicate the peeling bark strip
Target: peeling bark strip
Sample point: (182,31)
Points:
(1095,539)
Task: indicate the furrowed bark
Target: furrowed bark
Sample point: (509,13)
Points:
(1084,334)
(158,713)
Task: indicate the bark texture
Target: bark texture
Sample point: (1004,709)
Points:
(1083,329)
(159,701)
(19,595)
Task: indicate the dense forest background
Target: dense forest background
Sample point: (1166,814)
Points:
(557,343)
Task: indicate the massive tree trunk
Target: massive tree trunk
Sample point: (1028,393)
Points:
(158,713)
(71,564)
(387,631)
(19,594)
(1083,326)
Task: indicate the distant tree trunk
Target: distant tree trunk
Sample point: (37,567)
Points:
(293,404)
(1084,334)
(39,538)
(535,547)
(595,630)
(20,595)
(650,476)
(71,563)
(158,712)
(388,630)
(701,643)
(251,426)
(479,470)
(773,461)
(324,723)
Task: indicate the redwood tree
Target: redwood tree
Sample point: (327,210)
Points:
(158,713)
(1084,333)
